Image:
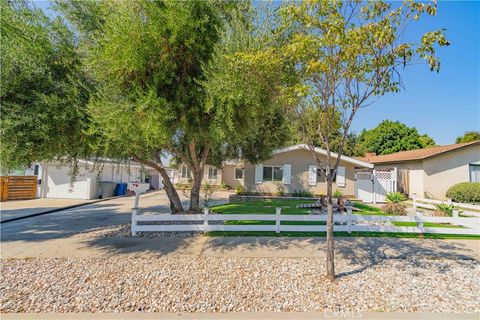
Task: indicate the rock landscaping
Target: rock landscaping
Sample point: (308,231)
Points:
(192,284)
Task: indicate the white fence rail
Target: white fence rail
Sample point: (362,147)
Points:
(344,222)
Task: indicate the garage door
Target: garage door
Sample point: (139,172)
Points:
(58,184)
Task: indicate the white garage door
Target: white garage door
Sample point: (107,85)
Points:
(58,184)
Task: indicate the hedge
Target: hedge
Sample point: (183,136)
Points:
(468,192)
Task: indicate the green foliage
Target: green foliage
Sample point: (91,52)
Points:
(444,209)
(390,137)
(337,194)
(302,194)
(395,197)
(468,192)
(43,89)
(396,209)
(239,190)
(469,136)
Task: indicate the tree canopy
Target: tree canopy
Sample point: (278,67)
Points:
(43,92)
(469,136)
(390,137)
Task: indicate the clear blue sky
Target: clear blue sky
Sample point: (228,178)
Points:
(446,104)
(442,105)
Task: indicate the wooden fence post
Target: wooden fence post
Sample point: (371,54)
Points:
(420,222)
(455,215)
(277,220)
(349,221)
(205,218)
(134,222)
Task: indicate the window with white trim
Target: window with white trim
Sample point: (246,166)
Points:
(272,173)
(212,173)
(475,173)
(186,172)
(238,173)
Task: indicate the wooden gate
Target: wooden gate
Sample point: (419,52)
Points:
(18,187)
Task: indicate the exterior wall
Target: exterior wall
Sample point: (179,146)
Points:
(416,175)
(56,183)
(228,175)
(445,170)
(433,176)
(300,160)
(178,177)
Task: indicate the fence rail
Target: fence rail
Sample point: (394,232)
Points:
(344,222)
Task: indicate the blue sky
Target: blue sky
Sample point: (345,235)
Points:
(443,105)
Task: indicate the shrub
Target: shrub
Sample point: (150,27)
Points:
(337,194)
(280,190)
(240,190)
(444,210)
(302,193)
(395,197)
(468,192)
(396,209)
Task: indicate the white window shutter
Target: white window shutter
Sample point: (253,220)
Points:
(341,177)
(287,174)
(312,175)
(258,173)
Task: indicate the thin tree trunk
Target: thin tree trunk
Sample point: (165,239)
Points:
(172,194)
(195,191)
(330,245)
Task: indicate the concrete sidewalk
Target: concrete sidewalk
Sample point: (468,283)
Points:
(243,316)
(256,247)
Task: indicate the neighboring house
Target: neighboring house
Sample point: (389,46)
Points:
(289,169)
(55,180)
(431,171)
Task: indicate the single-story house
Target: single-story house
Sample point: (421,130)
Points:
(289,169)
(54,180)
(430,172)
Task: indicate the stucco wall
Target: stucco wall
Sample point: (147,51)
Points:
(445,170)
(435,175)
(228,175)
(300,160)
(180,180)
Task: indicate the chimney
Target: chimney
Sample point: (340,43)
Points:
(370,154)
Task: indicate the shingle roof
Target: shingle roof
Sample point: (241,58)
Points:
(418,154)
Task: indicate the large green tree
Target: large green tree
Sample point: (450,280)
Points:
(43,89)
(390,137)
(343,55)
(469,136)
(177,77)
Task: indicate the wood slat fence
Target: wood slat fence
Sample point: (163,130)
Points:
(18,187)
(344,222)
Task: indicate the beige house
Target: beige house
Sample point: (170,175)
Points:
(289,169)
(431,171)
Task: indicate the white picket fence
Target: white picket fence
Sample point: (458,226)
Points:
(344,222)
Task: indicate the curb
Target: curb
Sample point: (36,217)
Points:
(60,209)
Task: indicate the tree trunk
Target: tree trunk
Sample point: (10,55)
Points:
(172,194)
(330,245)
(195,191)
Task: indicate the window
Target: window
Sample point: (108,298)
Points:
(35,170)
(321,176)
(186,172)
(475,173)
(272,173)
(212,173)
(238,174)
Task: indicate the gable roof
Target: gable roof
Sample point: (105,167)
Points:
(417,154)
(358,162)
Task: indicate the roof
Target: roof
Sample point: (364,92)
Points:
(417,154)
(321,151)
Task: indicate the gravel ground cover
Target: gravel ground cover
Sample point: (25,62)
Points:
(192,284)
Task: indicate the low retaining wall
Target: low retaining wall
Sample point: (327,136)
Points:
(243,198)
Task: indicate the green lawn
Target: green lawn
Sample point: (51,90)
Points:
(289,207)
